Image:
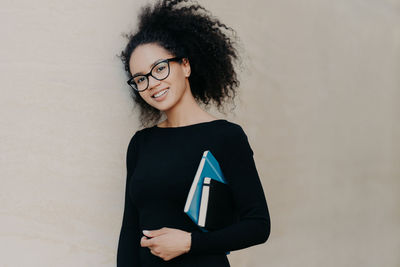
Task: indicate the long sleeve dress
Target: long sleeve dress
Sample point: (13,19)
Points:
(161,164)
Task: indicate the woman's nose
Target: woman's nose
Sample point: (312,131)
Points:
(153,82)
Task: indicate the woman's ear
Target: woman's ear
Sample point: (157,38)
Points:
(186,67)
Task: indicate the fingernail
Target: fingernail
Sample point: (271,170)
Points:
(145,232)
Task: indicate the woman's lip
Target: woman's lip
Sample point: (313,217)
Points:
(161,98)
(158,92)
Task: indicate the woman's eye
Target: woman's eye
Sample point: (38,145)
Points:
(140,80)
(161,68)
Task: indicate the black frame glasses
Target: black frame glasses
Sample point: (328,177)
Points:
(133,84)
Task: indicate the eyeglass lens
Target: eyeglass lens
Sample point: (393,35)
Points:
(160,71)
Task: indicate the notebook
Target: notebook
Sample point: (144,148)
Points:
(209,202)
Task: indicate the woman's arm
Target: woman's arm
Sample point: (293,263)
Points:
(129,239)
(253,227)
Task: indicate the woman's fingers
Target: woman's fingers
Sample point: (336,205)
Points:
(146,242)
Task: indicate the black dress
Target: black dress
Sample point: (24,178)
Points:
(161,164)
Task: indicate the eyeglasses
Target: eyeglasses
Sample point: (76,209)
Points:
(160,71)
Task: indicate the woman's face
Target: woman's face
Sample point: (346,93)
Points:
(143,58)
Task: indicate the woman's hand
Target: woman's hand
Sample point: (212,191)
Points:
(167,243)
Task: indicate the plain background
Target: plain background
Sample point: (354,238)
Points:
(319,101)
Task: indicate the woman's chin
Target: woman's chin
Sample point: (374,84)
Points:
(162,106)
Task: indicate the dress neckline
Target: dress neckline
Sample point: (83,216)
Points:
(190,125)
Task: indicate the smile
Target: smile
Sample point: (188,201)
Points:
(160,96)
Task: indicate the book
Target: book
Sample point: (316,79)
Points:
(216,205)
(210,203)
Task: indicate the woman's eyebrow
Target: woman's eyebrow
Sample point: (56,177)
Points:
(151,66)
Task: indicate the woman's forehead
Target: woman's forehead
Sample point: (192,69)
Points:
(145,55)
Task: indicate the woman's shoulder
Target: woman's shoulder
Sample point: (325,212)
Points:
(236,137)
(136,136)
(232,129)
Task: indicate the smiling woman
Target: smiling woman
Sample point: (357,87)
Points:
(181,57)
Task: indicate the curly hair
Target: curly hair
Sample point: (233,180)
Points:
(186,29)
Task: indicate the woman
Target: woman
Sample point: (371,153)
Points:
(181,57)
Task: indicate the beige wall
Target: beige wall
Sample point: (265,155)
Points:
(320,104)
